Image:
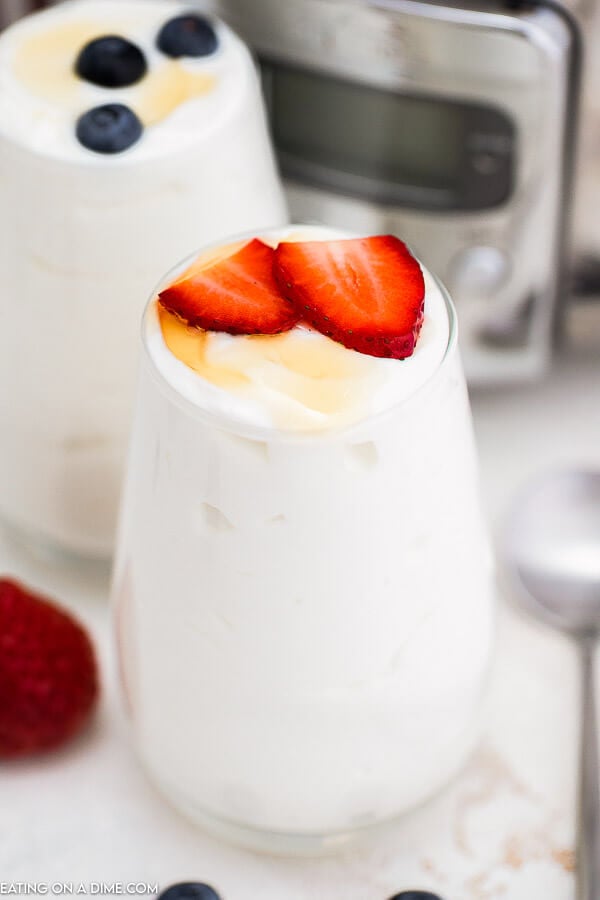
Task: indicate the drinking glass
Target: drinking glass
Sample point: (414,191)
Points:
(304,620)
(85,235)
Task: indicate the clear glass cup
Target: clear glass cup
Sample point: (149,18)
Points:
(304,620)
(85,235)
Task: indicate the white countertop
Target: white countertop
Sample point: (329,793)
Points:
(505,828)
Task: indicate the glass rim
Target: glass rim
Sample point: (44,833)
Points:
(233,425)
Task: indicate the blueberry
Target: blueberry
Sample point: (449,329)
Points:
(415,895)
(108,129)
(111,61)
(189,890)
(188,35)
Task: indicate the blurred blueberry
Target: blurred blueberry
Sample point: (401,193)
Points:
(187,35)
(111,61)
(111,128)
(189,890)
(416,895)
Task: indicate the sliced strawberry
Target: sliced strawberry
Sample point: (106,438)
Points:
(236,293)
(365,293)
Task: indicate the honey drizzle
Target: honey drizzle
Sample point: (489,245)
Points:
(44,64)
(44,61)
(166,88)
(320,375)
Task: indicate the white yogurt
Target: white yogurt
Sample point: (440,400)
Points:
(304,616)
(84,237)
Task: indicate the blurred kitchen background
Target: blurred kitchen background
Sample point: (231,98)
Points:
(470,129)
(437,122)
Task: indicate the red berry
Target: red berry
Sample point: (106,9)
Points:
(236,293)
(48,673)
(365,293)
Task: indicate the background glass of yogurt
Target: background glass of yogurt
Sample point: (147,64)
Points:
(304,618)
(85,235)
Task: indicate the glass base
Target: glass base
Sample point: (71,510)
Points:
(43,549)
(276,843)
(272,843)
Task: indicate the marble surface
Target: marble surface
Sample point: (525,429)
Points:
(504,828)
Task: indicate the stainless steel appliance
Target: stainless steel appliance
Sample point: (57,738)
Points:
(14,9)
(450,124)
(586,234)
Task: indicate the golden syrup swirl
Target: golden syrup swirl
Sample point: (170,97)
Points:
(44,61)
(44,64)
(303,377)
(166,88)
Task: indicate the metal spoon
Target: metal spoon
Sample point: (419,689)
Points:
(552,549)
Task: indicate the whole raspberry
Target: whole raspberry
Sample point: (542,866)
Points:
(48,673)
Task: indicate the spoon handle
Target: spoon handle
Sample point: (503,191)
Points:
(588,882)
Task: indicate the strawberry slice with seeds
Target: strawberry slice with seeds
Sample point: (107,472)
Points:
(233,291)
(366,293)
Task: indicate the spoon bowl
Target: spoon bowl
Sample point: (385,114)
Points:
(552,551)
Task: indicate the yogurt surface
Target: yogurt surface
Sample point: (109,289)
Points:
(297,381)
(41,96)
